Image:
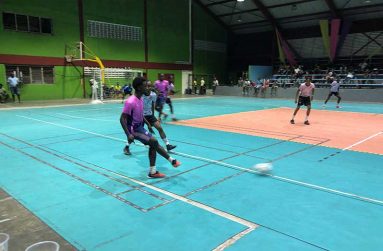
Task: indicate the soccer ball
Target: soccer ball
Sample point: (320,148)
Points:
(263,167)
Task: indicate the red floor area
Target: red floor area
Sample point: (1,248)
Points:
(338,129)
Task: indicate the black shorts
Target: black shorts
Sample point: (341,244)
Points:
(151,119)
(168,101)
(160,102)
(14,90)
(334,93)
(306,101)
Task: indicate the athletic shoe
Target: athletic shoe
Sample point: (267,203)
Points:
(338,106)
(156,175)
(127,151)
(292,121)
(307,122)
(170,147)
(174,119)
(176,163)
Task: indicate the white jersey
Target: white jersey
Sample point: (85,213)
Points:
(13,81)
(335,86)
(148,102)
(306,91)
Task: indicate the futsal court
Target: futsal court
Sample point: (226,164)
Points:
(65,164)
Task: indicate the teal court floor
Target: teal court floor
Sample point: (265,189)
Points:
(66,165)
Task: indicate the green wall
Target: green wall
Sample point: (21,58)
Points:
(64,17)
(168,39)
(126,12)
(207,29)
(168,30)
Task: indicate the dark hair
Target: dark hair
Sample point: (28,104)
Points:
(137,82)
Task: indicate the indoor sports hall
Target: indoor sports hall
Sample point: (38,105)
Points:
(255,173)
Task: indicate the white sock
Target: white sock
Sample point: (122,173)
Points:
(307,117)
(166,141)
(170,159)
(152,170)
(173,116)
(127,144)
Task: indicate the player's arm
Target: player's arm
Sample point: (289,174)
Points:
(124,123)
(150,128)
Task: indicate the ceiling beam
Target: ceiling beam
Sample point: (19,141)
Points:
(345,12)
(237,12)
(212,15)
(331,5)
(268,7)
(266,13)
(220,2)
(274,23)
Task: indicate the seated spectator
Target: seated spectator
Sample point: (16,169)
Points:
(3,94)
(246,87)
(240,82)
(266,84)
(273,88)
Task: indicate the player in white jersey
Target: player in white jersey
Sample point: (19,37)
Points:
(334,90)
(306,95)
(149,99)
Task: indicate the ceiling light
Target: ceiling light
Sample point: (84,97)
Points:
(240,0)
(239,19)
(367,1)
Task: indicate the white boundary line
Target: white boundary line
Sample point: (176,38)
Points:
(40,106)
(361,141)
(5,199)
(233,239)
(325,189)
(173,195)
(78,117)
(5,220)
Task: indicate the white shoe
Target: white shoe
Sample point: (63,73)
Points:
(338,106)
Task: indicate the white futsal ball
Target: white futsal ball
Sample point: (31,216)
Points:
(263,167)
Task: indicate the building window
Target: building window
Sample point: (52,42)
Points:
(9,21)
(29,74)
(25,23)
(114,31)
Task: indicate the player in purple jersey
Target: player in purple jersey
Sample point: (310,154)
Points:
(168,99)
(132,121)
(162,88)
(149,99)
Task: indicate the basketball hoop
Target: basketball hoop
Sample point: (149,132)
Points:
(68,58)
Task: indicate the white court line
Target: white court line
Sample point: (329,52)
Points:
(325,189)
(176,196)
(40,106)
(77,117)
(233,239)
(93,109)
(1,221)
(5,199)
(363,140)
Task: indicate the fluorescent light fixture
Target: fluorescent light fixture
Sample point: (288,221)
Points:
(240,0)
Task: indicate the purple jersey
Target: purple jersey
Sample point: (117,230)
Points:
(135,108)
(162,87)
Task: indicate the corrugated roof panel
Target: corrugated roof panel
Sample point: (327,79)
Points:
(300,9)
